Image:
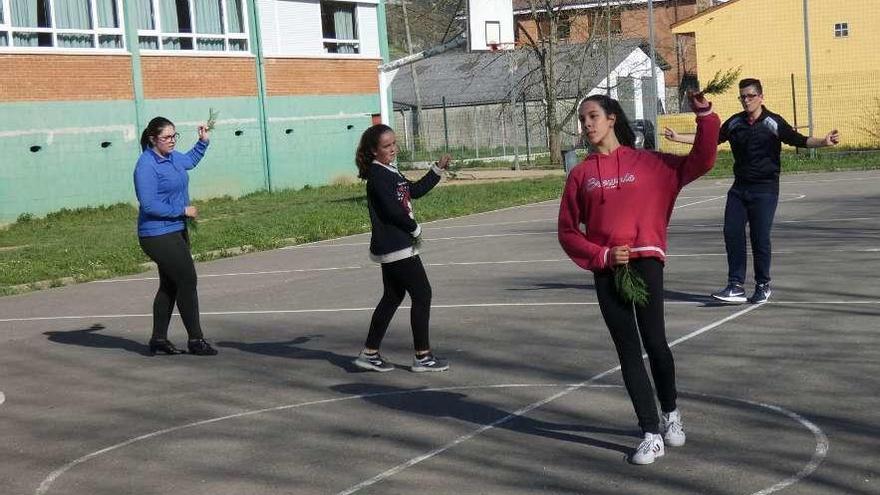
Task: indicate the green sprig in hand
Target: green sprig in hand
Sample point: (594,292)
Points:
(721,82)
(630,286)
(212,119)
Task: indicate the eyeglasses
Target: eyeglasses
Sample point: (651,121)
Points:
(172,137)
(748,97)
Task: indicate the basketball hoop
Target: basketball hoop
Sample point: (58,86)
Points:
(493,47)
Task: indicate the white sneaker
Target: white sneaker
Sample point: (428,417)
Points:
(673,429)
(650,449)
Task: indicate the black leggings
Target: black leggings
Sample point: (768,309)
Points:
(177,282)
(625,326)
(398,278)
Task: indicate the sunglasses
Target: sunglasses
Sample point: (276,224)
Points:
(746,97)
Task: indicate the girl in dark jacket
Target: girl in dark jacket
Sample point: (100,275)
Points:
(395,245)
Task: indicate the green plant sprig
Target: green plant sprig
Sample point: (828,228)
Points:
(212,119)
(631,287)
(721,82)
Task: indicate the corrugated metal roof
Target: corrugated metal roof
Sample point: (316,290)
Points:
(485,77)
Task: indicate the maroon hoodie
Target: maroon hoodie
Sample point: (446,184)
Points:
(627,196)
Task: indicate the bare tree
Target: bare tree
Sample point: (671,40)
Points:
(555,70)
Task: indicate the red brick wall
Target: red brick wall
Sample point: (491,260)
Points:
(198,77)
(46,77)
(295,76)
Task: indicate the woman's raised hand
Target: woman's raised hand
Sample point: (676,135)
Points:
(443,162)
(699,103)
(204,133)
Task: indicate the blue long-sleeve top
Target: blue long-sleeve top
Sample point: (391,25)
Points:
(162,187)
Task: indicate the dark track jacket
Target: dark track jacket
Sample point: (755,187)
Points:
(756,148)
(389,199)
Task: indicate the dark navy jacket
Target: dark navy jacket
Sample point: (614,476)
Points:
(389,199)
(757,146)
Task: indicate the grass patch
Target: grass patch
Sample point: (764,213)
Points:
(95,243)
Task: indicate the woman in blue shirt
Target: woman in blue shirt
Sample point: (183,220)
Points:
(162,186)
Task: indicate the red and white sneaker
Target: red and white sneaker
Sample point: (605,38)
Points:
(650,449)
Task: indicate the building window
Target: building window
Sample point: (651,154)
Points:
(563,27)
(77,24)
(841,30)
(339,25)
(192,25)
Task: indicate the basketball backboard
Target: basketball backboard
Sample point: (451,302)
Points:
(490,25)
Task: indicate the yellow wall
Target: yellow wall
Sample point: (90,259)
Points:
(766,38)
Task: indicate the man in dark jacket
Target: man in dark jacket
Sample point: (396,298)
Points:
(756,136)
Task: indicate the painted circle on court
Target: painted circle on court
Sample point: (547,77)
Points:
(818,455)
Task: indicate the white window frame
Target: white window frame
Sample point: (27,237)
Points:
(227,37)
(355,42)
(95,33)
(841,30)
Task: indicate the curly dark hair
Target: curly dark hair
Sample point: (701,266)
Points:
(366,149)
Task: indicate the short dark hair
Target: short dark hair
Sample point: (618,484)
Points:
(745,83)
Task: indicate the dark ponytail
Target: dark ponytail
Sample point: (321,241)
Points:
(622,129)
(154,128)
(369,142)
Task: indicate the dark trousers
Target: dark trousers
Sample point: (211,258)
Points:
(398,278)
(177,283)
(627,323)
(757,209)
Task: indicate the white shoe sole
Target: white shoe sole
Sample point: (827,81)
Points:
(424,369)
(366,365)
(656,456)
(731,299)
(673,443)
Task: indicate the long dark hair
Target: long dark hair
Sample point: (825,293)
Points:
(365,151)
(622,129)
(154,128)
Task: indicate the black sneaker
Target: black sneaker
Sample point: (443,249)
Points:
(428,362)
(733,293)
(200,347)
(762,293)
(372,362)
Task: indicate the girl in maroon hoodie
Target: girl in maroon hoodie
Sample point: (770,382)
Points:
(624,198)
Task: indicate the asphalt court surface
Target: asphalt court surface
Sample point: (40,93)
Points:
(777,398)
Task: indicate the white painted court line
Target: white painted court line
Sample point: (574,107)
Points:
(257,312)
(481,236)
(2,398)
(471,263)
(816,459)
(699,202)
(239,274)
(524,410)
